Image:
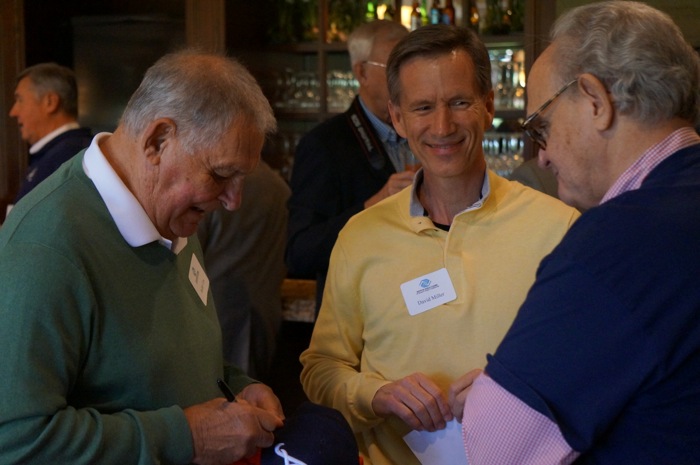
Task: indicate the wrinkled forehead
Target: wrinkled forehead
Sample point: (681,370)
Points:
(542,81)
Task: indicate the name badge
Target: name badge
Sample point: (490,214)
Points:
(429,291)
(199,279)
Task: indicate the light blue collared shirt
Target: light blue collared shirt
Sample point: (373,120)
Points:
(417,209)
(390,139)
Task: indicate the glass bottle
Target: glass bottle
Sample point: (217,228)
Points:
(370,11)
(435,13)
(424,12)
(448,13)
(494,18)
(473,18)
(416,18)
(517,8)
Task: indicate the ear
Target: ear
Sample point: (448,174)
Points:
(396,119)
(50,102)
(490,110)
(359,71)
(156,137)
(600,102)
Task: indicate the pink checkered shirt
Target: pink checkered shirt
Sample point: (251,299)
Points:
(500,429)
(634,175)
(497,427)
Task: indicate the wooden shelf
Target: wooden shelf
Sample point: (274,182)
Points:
(516,39)
(310,47)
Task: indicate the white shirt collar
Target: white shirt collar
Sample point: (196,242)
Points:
(38,145)
(131,219)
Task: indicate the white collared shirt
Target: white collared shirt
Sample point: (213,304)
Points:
(131,219)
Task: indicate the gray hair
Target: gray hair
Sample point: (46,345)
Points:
(52,77)
(362,39)
(435,40)
(203,93)
(638,53)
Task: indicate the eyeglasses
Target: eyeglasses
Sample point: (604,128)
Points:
(375,63)
(535,134)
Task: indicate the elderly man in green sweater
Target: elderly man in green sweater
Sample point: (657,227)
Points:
(111,345)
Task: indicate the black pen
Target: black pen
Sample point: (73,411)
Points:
(230,396)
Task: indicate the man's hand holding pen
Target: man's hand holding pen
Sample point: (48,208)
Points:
(226,431)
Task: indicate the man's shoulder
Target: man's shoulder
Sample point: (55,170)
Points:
(333,130)
(376,218)
(67,144)
(526,199)
(57,213)
(530,174)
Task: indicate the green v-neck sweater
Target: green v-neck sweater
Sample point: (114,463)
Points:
(103,344)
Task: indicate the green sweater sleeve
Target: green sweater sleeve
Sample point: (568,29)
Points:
(237,378)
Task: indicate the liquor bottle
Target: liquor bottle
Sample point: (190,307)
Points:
(448,13)
(416,18)
(390,11)
(436,13)
(424,12)
(517,7)
(371,11)
(473,18)
(494,18)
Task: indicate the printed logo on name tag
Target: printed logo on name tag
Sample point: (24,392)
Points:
(427,292)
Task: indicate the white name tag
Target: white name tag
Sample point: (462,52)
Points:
(199,279)
(429,291)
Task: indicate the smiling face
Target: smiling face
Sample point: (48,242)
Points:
(185,186)
(443,115)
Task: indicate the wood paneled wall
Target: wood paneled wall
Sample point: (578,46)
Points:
(12,149)
(204,23)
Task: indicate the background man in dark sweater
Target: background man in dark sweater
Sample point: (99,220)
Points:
(46,108)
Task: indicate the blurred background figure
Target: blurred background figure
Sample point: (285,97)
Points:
(244,259)
(532,175)
(46,109)
(347,163)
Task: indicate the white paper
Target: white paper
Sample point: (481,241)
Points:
(443,447)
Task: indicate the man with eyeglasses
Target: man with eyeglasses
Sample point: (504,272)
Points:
(602,363)
(347,163)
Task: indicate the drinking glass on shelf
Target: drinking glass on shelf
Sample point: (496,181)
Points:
(503,151)
(504,88)
(342,87)
(306,95)
(408,160)
(285,81)
(508,77)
